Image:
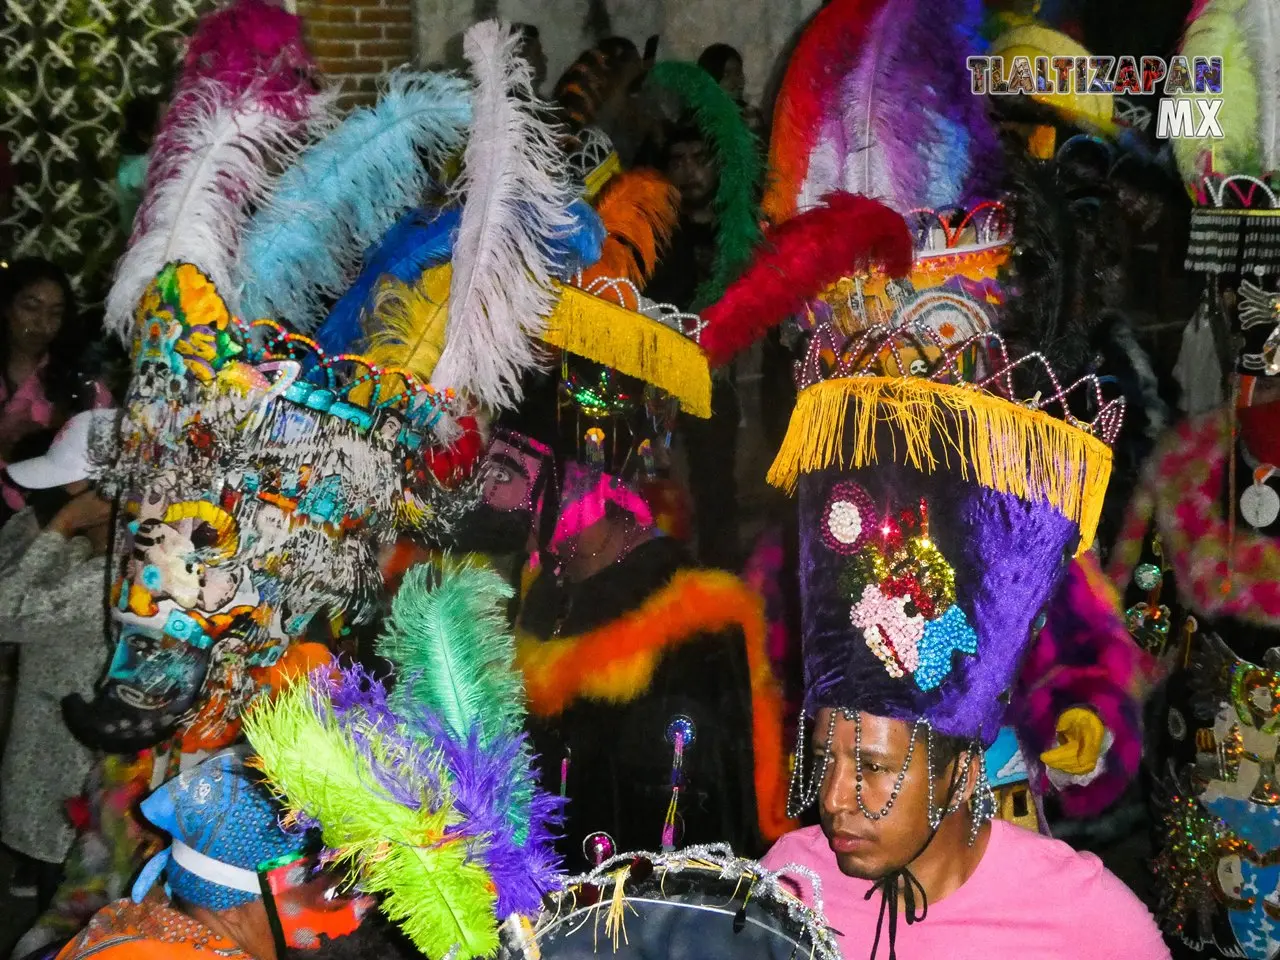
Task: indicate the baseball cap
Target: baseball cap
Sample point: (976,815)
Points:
(66,460)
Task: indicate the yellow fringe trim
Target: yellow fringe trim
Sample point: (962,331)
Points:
(631,343)
(995,443)
(601,175)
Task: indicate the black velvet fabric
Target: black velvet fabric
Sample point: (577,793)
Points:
(620,761)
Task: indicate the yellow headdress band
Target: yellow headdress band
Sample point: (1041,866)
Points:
(1001,445)
(633,344)
(600,176)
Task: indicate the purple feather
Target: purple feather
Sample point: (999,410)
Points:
(492,786)
(987,167)
(488,783)
(399,763)
(916,134)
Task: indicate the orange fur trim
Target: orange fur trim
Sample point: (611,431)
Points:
(616,662)
(639,209)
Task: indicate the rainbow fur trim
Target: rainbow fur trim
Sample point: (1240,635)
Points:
(616,663)
(1181,494)
(1085,657)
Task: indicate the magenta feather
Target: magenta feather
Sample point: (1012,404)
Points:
(246,40)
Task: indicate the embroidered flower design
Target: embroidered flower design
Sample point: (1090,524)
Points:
(903,588)
(891,632)
(849,518)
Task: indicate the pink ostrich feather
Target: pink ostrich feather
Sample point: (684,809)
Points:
(244,40)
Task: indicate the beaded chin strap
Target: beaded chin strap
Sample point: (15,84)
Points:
(899,882)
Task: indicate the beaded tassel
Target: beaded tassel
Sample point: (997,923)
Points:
(680,733)
(902,774)
(800,796)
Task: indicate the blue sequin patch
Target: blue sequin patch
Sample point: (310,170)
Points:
(943,637)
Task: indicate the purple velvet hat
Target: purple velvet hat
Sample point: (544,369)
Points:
(935,520)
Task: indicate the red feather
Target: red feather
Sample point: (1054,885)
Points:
(826,51)
(799,259)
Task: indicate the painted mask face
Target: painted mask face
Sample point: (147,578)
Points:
(306,900)
(166,563)
(511,474)
(253,493)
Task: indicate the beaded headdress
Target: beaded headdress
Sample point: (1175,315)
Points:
(702,900)
(936,517)
(268,450)
(1235,223)
(629,364)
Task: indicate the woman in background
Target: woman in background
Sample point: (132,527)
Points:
(53,565)
(49,362)
(725,65)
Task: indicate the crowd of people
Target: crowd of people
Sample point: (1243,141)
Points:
(376,577)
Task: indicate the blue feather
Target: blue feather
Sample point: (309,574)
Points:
(345,193)
(416,242)
(948,161)
(580,245)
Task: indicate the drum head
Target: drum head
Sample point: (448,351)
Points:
(638,909)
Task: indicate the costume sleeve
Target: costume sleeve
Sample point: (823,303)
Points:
(1136,529)
(16,535)
(43,585)
(1085,657)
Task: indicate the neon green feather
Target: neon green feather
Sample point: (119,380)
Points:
(1221,30)
(441,898)
(453,650)
(738,159)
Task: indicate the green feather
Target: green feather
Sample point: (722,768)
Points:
(738,156)
(452,647)
(440,898)
(1221,30)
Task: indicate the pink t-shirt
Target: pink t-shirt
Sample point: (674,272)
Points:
(1030,897)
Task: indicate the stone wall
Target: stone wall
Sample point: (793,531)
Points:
(761,29)
(356,41)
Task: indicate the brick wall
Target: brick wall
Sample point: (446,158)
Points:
(357,41)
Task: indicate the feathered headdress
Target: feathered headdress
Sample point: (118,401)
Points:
(890,116)
(238,43)
(427,791)
(516,194)
(639,209)
(907,130)
(800,258)
(737,159)
(344,193)
(810,88)
(1246,35)
(417,241)
(211,162)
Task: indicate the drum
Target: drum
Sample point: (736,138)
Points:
(702,903)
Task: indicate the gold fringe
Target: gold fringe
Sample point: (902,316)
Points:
(998,444)
(631,343)
(601,175)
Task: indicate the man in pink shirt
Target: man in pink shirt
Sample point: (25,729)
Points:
(1011,893)
(935,524)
